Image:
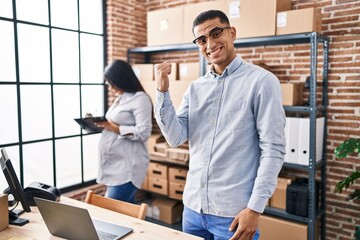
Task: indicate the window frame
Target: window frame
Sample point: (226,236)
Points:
(20,144)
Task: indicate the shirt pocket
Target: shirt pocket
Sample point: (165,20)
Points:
(235,116)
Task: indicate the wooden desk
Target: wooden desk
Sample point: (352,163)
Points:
(36,229)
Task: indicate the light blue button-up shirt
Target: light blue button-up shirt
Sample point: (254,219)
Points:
(234,123)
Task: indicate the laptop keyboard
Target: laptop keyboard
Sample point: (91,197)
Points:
(106,236)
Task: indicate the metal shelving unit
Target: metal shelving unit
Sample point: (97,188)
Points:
(313,109)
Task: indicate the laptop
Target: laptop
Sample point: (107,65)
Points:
(74,223)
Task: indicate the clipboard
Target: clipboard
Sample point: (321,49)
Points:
(88,124)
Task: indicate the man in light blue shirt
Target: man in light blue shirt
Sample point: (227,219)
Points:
(234,121)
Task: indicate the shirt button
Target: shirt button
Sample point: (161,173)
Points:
(202,185)
(216,101)
(205,164)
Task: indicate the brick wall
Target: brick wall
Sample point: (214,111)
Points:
(341,22)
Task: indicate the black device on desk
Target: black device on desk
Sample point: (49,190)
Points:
(15,189)
(24,196)
(41,190)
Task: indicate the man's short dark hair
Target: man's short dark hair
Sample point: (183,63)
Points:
(208,15)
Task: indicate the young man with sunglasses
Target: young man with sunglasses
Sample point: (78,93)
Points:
(234,121)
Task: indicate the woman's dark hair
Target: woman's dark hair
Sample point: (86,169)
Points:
(121,76)
(210,14)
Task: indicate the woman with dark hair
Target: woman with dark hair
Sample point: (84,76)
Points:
(123,154)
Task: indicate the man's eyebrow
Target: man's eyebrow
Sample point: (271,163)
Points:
(212,30)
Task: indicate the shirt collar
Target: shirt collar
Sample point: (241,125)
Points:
(235,63)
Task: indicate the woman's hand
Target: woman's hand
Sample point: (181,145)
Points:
(109,125)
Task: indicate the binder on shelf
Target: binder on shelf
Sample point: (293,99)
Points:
(304,140)
(297,134)
(292,139)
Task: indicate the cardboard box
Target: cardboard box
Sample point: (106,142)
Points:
(161,147)
(177,90)
(176,190)
(167,210)
(145,184)
(165,26)
(158,185)
(263,23)
(178,154)
(191,11)
(158,170)
(292,93)
(277,229)
(298,21)
(153,140)
(174,72)
(278,199)
(189,71)
(4,213)
(177,174)
(150,88)
(144,72)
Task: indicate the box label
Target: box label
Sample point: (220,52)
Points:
(156,212)
(164,25)
(234,9)
(281,20)
(183,70)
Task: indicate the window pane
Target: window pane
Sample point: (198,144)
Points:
(68,162)
(66,108)
(65,53)
(9,115)
(6,9)
(90,149)
(38,12)
(36,112)
(91,16)
(13,153)
(7,59)
(38,163)
(92,56)
(34,44)
(93,100)
(58,8)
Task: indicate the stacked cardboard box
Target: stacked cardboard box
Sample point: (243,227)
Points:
(144,72)
(164,26)
(274,228)
(4,213)
(166,210)
(273,17)
(177,179)
(292,94)
(189,71)
(278,199)
(158,178)
(263,23)
(297,21)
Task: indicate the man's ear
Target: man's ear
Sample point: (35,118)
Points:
(233,33)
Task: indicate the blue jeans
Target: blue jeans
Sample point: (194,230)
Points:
(208,226)
(125,192)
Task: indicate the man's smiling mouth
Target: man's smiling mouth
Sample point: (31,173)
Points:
(215,51)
